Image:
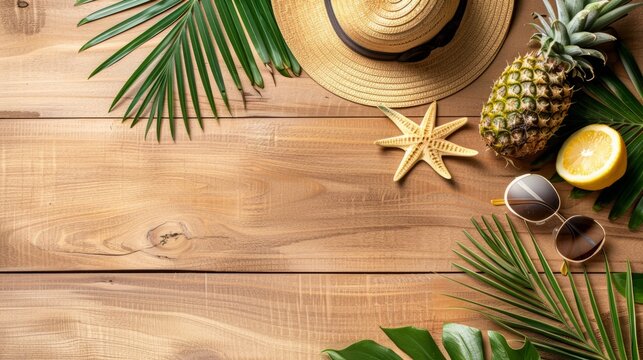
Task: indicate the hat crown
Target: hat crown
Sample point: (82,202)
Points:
(393,26)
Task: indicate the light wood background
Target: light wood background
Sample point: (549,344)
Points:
(274,234)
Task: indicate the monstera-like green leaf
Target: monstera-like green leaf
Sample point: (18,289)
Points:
(195,42)
(416,343)
(620,283)
(364,350)
(502,350)
(461,343)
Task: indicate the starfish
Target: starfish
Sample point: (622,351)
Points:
(424,142)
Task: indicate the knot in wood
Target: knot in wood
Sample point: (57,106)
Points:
(168,240)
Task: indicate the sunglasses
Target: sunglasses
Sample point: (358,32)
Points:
(534,199)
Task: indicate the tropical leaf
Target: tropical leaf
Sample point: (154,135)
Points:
(197,33)
(502,350)
(620,281)
(629,289)
(366,350)
(414,342)
(631,67)
(577,193)
(461,343)
(551,320)
(606,100)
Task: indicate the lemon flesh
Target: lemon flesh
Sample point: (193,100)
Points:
(592,158)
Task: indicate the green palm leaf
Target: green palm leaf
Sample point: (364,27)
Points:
(606,100)
(563,327)
(535,308)
(199,32)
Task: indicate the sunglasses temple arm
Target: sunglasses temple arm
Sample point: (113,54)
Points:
(497,202)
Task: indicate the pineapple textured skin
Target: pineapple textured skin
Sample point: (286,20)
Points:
(532,96)
(526,106)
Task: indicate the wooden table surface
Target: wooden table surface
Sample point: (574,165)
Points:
(276,233)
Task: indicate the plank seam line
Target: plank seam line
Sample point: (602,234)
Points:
(232,117)
(70,272)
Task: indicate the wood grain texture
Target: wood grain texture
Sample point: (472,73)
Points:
(301,195)
(289,187)
(220,316)
(42,74)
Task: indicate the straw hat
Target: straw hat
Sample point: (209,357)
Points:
(396,53)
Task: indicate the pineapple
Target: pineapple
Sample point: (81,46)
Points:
(533,95)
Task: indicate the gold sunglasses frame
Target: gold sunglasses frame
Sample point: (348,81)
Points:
(505,202)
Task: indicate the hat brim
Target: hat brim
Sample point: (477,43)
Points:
(322,54)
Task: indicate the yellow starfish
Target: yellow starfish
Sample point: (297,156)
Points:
(424,142)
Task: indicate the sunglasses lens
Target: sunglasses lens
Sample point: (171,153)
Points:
(533,197)
(579,238)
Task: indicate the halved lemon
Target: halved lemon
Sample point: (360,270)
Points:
(592,158)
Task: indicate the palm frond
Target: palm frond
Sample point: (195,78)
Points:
(198,33)
(549,319)
(607,100)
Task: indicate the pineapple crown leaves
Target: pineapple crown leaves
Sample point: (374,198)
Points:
(570,34)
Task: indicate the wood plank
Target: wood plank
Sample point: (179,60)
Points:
(220,316)
(304,195)
(42,74)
